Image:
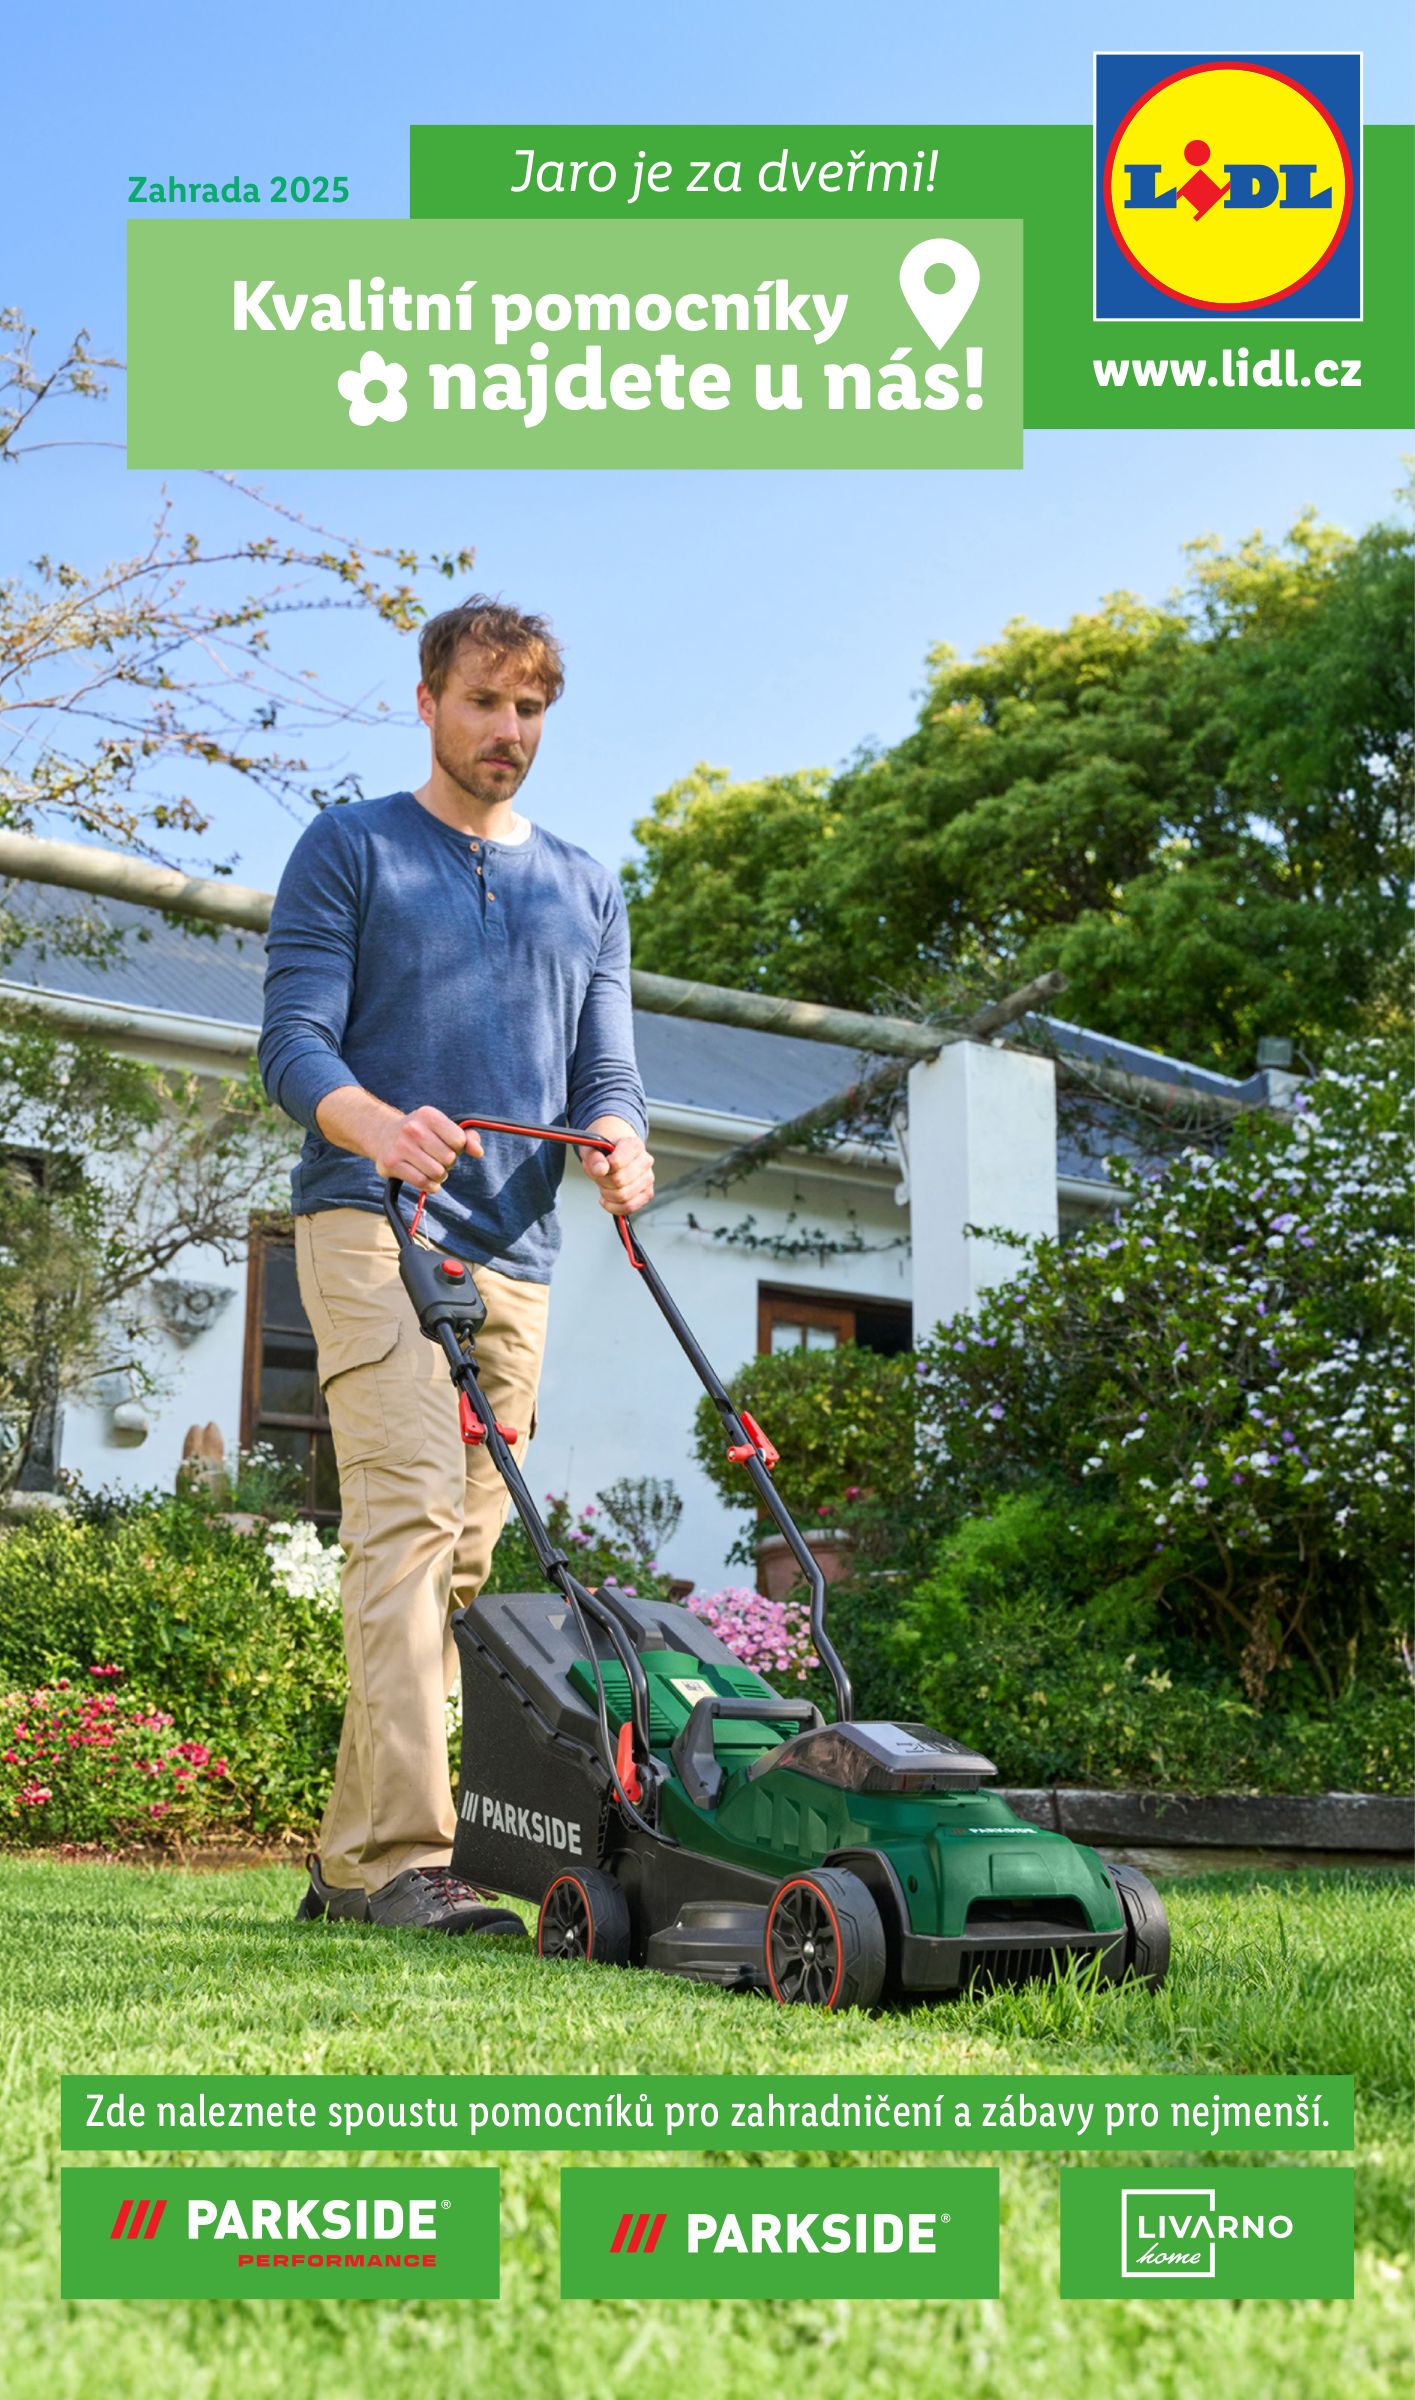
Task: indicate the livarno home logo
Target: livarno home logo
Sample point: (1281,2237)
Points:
(1228,187)
(1237,2233)
(1178,2231)
(264,2233)
(717,2233)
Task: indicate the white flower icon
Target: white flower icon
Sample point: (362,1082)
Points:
(373,370)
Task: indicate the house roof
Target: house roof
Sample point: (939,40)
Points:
(728,1070)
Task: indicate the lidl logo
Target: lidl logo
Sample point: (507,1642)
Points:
(1228,187)
(1250,2233)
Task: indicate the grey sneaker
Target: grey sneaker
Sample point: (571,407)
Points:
(330,1899)
(437,1900)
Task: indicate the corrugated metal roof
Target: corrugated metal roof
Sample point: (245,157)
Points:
(727,1069)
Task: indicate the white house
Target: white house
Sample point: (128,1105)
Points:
(981,1147)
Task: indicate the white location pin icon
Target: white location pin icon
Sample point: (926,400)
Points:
(940,313)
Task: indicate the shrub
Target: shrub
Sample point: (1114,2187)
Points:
(100,1764)
(193,1614)
(594,1554)
(771,1636)
(1041,1640)
(1226,1366)
(843,1421)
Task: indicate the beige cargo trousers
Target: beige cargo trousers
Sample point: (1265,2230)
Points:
(420,1515)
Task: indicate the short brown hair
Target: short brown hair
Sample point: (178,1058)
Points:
(508,633)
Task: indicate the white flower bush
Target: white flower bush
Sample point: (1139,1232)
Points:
(302,1564)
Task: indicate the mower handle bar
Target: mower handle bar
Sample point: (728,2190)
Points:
(743,1440)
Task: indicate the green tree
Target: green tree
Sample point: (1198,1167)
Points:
(1199,811)
(110,1169)
(121,684)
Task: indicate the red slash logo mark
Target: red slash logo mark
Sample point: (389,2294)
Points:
(631,2242)
(144,2220)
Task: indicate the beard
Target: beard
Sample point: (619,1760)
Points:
(473,773)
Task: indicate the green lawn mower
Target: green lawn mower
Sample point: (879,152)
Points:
(665,1808)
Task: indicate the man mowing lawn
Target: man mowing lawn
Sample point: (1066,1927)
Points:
(434,955)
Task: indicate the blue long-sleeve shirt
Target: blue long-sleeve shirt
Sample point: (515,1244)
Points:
(435,968)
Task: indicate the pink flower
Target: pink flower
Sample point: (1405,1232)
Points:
(157,1808)
(34,1795)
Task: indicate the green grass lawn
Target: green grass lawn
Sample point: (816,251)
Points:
(143,1970)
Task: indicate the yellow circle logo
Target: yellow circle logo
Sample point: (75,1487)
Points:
(1228,186)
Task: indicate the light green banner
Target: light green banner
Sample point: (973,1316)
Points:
(779,2233)
(1191,2232)
(279,2233)
(706,2112)
(500,344)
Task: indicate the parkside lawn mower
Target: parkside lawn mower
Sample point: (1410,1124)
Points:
(665,1808)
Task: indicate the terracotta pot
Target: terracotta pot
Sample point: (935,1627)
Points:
(777,1571)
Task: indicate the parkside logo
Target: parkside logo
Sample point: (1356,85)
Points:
(877,2234)
(1228,186)
(525,1824)
(1177,2232)
(303,2227)
(779,2233)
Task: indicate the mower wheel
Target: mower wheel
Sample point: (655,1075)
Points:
(825,1942)
(1146,1926)
(584,1915)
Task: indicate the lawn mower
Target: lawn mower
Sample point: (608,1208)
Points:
(665,1808)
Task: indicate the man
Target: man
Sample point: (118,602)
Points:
(434,955)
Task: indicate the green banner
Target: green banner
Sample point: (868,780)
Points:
(688,172)
(1199,2233)
(496,344)
(779,2233)
(1189,372)
(268,2233)
(706,2112)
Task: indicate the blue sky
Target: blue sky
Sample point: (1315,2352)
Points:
(759,621)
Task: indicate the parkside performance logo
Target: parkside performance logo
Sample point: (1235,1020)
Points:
(263,2233)
(1228,187)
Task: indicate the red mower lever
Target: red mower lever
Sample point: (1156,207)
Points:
(630,1780)
(473,1430)
(762,1443)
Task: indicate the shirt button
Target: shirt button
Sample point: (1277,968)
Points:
(490,894)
